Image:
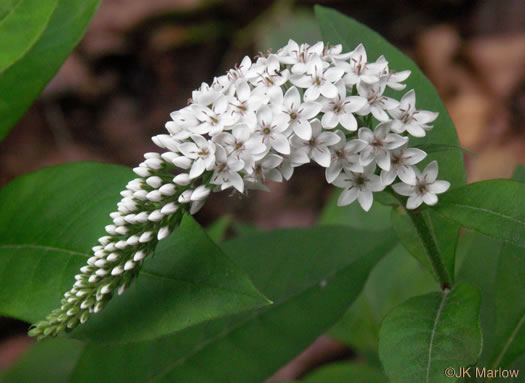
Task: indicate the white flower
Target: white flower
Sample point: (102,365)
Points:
(425,188)
(269,74)
(392,79)
(298,113)
(401,161)
(202,152)
(226,172)
(407,117)
(246,103)
(205,95)
(358,186)
(240,74)
(265,170)
(380,143)
(317,146)
(377,103)
(344,156)
(242,145)
(270,128)
(339,110)
(318,80)
(359,70)
(299,55)
(215,119)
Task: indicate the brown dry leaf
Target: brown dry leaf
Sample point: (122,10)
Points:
(114,18)
(12,349)
(499,61)
(471,114)
(495,162)
(73,77)
(435,51)
(324,349)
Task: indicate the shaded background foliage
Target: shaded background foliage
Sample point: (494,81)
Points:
(140,60)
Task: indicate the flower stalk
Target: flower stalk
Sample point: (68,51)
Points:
(431,248)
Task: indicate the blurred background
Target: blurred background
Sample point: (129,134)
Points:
(139,60)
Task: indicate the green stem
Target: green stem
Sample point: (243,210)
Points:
(431,248)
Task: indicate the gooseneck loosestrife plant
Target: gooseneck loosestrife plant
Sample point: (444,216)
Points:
(305,103)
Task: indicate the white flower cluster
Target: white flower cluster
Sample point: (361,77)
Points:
(258,122)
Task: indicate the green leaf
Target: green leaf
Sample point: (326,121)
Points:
(217,230)
(52,218)
(337,28)
(312,275)
(495,208)
(39,42)
(345,372)
(393,280)
(509,306)
(56,215)
(46,362)
(21,24)
(433,148)
(422,337)
(519,173)
(377,218)
(498,270)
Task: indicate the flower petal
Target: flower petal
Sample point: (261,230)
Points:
(328,90)
(332,172)
(407,174)
(312,93)
(329,120)
(292,99)
(348,121)
(347,196)
(303,129)
(414,202)
(404,189)
(280,143)
(431,171)
(430,199)
(321,155)
(365,199)
(438,187)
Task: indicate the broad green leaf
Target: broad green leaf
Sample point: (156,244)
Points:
(50,219)
(46,362)
(346,372)
(312,275)
(54,217)
(377,218)
(49,39)
(423,336)
(498,270)
(433,148)
(519,173)
(495,208)
(217,230)
(337,28)
(21,24)
(189,280)
(509,307)
(393,280)
(294,23)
